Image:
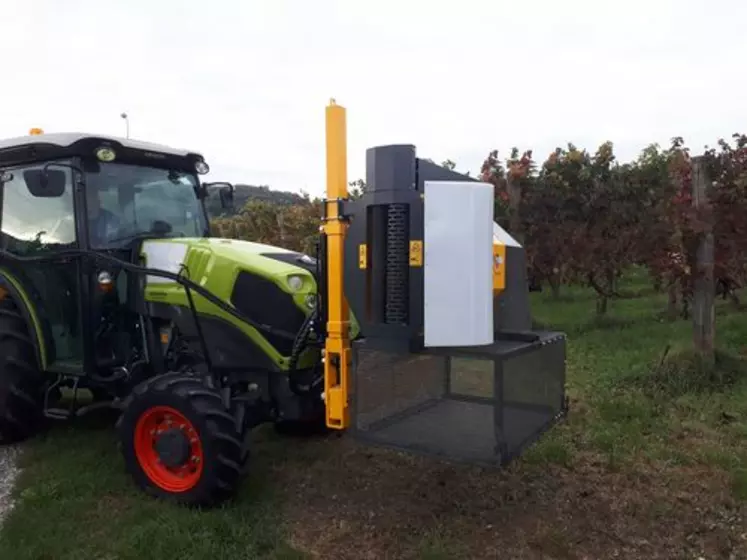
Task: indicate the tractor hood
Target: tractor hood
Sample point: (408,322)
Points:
(237,271)
(215,255)
(276,258)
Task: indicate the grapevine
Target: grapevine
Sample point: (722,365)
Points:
(585,217)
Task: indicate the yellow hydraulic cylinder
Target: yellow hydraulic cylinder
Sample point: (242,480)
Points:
(337,355)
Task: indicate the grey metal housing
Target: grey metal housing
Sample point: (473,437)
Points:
(480,404)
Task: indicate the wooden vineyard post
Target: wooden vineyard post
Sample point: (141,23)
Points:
(704,316)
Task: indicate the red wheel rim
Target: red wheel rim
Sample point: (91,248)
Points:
(152,423)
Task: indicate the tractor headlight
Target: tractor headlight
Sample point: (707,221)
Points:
(201,167)
(295,282)
(106,154)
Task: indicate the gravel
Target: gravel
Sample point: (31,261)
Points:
(8,473)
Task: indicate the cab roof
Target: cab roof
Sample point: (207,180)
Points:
(67,139)
(24,149)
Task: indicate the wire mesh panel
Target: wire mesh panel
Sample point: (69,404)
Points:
(479,405)
(531,391)
(387,385)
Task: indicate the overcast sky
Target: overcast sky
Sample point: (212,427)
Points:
(246,82)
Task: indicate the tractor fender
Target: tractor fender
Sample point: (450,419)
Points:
(10,286)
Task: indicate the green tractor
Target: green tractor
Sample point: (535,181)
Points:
(110,282)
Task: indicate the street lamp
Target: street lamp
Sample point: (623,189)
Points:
(127,123)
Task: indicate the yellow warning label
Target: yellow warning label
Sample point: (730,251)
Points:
(416,253)
(499,267)
(362,256)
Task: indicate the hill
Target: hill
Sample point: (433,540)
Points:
(246,193)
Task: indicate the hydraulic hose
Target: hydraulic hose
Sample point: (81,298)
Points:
(177,278)
(299,344)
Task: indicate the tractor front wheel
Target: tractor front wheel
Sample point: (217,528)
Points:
(179,442)
(21,383)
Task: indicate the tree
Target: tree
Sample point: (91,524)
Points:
(356,189)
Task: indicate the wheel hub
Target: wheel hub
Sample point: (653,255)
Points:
(173,447)
(168,448)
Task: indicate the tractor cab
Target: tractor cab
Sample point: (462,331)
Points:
(67,195)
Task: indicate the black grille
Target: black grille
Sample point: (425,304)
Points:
(263,301)
(397,261)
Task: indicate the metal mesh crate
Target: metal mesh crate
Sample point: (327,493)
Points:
(479,405)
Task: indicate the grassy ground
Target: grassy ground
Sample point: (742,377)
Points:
(651,463)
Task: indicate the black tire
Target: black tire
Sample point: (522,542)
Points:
(222,455)
(21,382)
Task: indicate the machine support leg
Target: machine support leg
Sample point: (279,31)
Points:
(337,346)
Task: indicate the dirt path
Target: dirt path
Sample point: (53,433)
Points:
(399,507)
(8,473)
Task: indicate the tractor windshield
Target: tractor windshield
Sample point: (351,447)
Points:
(127,202)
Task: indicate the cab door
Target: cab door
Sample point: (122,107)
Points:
(38,219)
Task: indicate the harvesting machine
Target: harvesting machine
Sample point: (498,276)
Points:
(409,328)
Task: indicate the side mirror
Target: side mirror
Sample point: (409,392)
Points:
(226,197)
(225,193)
(45,183)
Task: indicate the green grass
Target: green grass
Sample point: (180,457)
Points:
(641,406)
(76,502)
(642,386)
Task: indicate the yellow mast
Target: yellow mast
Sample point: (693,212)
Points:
(337,346)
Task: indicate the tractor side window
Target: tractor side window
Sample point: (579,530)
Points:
(32,222)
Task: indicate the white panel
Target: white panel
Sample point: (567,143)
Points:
(164,256)
(502,236)
(458,262)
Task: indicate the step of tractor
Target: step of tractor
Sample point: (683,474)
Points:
(70,368)
(57,413)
